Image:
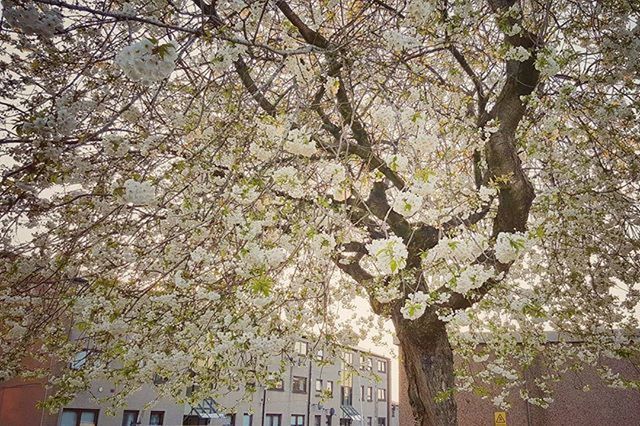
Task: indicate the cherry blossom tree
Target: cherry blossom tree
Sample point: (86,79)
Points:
(196,184)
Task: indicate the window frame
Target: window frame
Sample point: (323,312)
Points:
(296,417)
(329,386)
(369,393)
(137,413)
(382,366)
(278,388)
(161,417)
(79,412)
(269,419)
(319,390)
(383,392)
(346,395)
(298,345)
(295,379)
(244,416)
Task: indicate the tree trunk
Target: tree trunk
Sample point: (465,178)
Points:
(427,359)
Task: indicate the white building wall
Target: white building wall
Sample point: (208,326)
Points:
(264,402)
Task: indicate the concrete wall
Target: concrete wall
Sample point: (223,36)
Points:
(572,406)
(173,411)
(288,403)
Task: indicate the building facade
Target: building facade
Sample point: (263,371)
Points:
(353,390)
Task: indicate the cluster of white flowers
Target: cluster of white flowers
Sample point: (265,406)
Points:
(546,63)
(463,249)
(424,183)
(397,162)
(62,121)
(334,175)
(486,193)
(397,41)
(389,254)
(415,305)
(115,146)
(226,55)
(509,246)
(515,29)
(139,193)
(387,294)
(418,11)
(30,19)
(322,244)
(286,180)
(146,61)
(299,142)
(517,53)
(407,203)
(258,257)
(474,276)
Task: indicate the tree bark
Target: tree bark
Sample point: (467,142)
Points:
(427,359)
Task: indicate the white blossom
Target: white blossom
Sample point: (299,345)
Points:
(415,305)
(31,19)
(139,193)
(147,61)
(509,246)
(407,203)
(299,142)
(389,254)
(517,53)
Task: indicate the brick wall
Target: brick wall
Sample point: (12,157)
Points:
(572,406)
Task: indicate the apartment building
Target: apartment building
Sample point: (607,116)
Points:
(352,389)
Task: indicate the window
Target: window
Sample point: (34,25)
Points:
(329,387)
(130,418)
(273,419)
(79,417)
(192,389)
(79,360)
(278,385)
(369,421)
(229,420)
(156,418)
(247,419)
(369,364)
(158,379)
(346,396)
(370,393)
(382,366)
(297,420)
(301,348)
(362,393)
(317,421)
(382,421)
(318,385)
(329,420)
(347,357)
(320,355)
(299,384)
(382,395)
(362,361)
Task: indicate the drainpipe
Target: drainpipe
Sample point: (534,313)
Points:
(309,393)
(264,404)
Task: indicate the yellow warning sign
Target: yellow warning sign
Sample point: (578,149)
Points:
(500,418)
